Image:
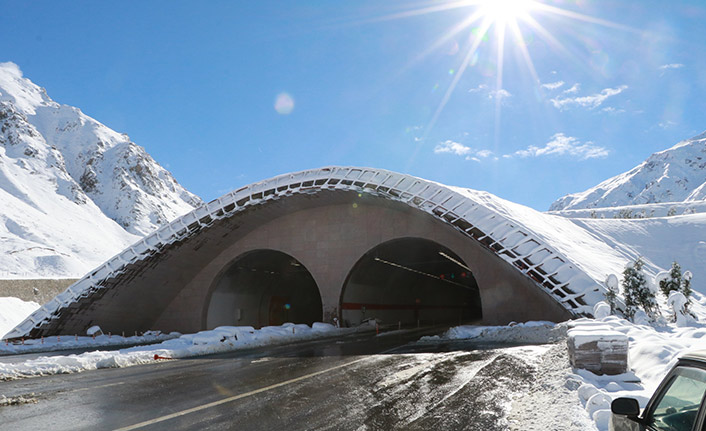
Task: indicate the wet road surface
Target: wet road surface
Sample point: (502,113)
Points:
(359,382)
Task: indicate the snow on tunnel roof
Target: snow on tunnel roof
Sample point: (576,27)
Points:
(562,258)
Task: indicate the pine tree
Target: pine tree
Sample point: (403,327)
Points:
(630,283)
(686,290)
(611,294)
(673,282)
(636,292)
(676,281)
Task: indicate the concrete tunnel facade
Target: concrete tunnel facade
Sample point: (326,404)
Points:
(334,243)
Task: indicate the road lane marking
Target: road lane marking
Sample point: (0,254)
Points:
(234,398)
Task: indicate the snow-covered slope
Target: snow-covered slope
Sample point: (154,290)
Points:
(604,246)
(72,191)
(674,175)
(660,240)
(13,311)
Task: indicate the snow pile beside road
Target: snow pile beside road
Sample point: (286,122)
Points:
(523,333)
(69,342)
(652,352)
(219,340)
(13,311)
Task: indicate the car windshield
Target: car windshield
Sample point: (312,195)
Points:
(679,404)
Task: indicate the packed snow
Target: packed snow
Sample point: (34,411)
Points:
(660,241)
(521,333)
(65,180)
(12,312)
(652,352)
(653,349)
(218,340)
(90,342)
(583,248)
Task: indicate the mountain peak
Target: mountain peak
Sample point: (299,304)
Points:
(74,191)
(20,91)
(677,174)
(689,141)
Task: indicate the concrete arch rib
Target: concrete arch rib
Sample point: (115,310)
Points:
(467,211)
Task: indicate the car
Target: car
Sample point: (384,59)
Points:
(677,404)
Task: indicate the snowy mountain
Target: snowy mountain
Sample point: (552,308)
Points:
(674,175)
(72,191)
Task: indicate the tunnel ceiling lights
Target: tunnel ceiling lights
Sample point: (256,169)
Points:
(406,268)
(456,262)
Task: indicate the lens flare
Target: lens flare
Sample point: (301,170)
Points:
(490,25)
(506,10)
(284,104)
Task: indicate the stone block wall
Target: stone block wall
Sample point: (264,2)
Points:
(599,350)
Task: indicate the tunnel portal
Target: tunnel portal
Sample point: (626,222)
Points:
(410,281)
(262,288)
(340,243)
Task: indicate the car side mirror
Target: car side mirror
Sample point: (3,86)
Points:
(625,407)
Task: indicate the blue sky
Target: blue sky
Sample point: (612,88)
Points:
(363,83)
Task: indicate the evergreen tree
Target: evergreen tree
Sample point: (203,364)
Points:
(611,295)
(686,290)
(676,281)
(673,282)
(636,292)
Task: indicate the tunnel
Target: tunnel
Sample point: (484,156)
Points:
(263,288)
(410,281)
(369,240)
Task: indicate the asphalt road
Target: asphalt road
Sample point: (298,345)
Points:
(360,382)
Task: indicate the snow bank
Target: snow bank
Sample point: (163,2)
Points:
(652,352)
(13,311)
(70,342)
(529,332)
(660,241)
(219,340)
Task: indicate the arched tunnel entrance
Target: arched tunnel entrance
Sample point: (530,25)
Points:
(410,280)
(261,288)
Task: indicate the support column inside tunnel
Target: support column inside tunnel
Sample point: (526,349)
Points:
(410,281)
(261,288)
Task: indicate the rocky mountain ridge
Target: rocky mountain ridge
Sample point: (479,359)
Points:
(72,191)
(677,174)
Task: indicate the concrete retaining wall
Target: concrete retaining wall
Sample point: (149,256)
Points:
(39,291)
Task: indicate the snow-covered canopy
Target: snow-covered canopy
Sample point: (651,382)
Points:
(562,258)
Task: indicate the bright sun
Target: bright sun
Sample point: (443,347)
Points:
(502,11)
(495,23)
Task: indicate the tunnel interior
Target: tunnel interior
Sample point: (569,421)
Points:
(410,281)
(263,288)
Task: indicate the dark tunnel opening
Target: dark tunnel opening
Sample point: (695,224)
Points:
(263,288)
(410,281)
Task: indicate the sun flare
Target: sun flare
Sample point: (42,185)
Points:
(492,29)
(489,28)
(503,11)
